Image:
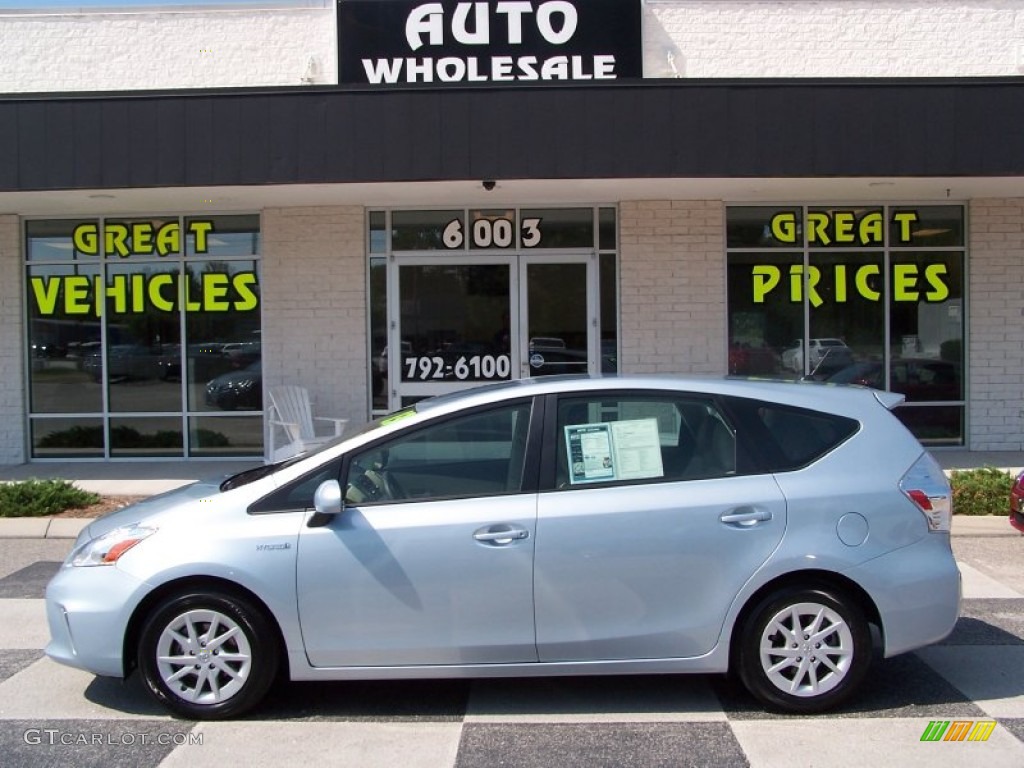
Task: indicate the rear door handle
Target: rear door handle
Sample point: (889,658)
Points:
(500,535)
(745,518)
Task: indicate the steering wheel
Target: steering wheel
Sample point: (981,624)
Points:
(392,488)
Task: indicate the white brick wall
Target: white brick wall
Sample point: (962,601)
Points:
(833,38)
(169,49)
(996,350)
(314,306)
(672,286)
(194,48)
(12,344)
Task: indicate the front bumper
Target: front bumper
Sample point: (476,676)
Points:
(916,590)
(88,609)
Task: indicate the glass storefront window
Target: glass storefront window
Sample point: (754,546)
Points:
(223,358)
(607,235)
(869,295)
(844,296)
(70,437)
(62,240)
(762,227)
(378,232)
(65,351)
(765,317)
(609,287)
(557,227)
(213,237)
(111,337)
(427,230)
(455,323)
(378,333)
(142,354)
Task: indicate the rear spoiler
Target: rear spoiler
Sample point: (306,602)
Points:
(889,399)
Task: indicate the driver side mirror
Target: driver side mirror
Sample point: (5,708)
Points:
(327,502)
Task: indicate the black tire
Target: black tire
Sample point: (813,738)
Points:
(825,665)
(231,676)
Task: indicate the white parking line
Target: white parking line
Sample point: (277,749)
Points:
(976,585)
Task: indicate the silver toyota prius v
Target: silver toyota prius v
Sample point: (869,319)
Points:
(560,526)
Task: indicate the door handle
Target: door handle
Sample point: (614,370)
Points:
(500,535)
(745,518)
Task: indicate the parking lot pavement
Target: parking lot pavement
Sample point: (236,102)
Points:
(54,716)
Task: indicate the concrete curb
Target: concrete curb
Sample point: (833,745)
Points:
(42,527)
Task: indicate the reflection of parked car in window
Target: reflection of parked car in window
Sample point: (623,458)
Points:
(550,361)
(546,342)
(242,353)
(237,389)
(920,379)
(823,356)
(135,362)
(379,367)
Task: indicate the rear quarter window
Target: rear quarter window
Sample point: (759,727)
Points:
(787,438)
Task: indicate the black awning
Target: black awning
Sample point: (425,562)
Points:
(638,129)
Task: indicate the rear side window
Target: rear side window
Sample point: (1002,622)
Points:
(610,439)
(789,438)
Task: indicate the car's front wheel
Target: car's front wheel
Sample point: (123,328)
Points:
(208,656)
(804,650)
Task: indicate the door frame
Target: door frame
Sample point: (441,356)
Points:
(593,317)
(518,264)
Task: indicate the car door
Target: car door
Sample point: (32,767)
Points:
(649,530)
(431,561)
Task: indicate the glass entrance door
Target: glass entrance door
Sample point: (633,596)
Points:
(457,325)
(559,311)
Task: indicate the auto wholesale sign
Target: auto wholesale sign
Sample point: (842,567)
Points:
(403,42)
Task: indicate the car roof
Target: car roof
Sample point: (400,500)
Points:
(807,394)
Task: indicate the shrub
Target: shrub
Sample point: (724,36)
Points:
(984,491)
(36,498)
(128,438)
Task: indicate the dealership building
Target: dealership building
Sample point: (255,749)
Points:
(383,200)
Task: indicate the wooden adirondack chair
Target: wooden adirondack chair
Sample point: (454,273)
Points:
(291,412)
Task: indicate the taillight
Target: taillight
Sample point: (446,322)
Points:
(1017,494)
(926,485)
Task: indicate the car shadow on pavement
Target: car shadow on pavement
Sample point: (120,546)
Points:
(366,700)
(127,696)
(904,686)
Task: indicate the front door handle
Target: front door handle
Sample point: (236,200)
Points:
(745,518)
(500,535)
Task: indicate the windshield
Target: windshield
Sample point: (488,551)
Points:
(247,476)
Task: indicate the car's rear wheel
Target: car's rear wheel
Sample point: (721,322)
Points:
(804,650)
(208,656)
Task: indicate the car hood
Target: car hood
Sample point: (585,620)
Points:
(152,507)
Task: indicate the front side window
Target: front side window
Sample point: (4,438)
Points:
(479,454)
(604,440)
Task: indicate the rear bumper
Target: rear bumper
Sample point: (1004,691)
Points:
(916,590)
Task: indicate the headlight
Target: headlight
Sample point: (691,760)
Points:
(106,549)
